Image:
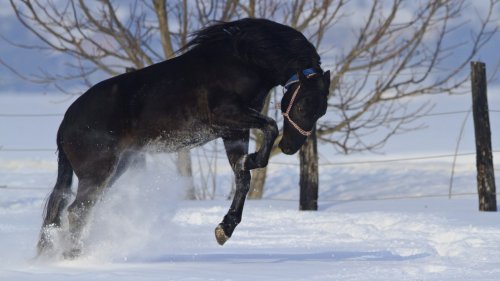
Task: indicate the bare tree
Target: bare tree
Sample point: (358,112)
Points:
(106,37)
(398,50)
(381,54)
(395,58)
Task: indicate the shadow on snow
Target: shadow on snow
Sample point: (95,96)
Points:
(289,257)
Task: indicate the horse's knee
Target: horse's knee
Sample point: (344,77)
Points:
(272,129)
(252,161)
(262,162)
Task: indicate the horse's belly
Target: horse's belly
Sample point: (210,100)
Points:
(175,141)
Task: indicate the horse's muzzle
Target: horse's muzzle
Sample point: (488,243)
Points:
(287,148)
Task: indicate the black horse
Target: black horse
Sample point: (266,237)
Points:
(216,89)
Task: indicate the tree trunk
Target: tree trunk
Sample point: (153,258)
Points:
(184,169)
(257,183)
(309,176)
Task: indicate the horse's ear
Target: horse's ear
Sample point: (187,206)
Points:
(326,80)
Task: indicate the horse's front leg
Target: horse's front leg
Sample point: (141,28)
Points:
(245,120)
(260,158)
(237,124)
(236,146)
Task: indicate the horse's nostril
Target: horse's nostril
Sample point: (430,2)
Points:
(285,147)
(282,144)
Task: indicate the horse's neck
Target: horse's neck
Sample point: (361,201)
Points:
(278,64)
(284,69)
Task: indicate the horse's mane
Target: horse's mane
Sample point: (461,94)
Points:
(259,41)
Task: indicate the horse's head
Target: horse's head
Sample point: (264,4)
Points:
(304,102)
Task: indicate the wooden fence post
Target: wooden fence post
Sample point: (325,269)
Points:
(309,177)
(484,159)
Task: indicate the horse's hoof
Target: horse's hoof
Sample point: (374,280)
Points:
(72,254)
(44,246)
(220,235)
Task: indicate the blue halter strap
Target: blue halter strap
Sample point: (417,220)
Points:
(295,78)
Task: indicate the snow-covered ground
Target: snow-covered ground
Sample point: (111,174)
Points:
(376,221)
(144,232)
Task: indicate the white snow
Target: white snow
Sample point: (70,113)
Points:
(376,221)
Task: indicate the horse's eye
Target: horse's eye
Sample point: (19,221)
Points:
(301,110)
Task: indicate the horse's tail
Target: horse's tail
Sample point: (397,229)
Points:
(61,193)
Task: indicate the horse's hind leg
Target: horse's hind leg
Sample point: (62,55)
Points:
(128,159)
(90,188)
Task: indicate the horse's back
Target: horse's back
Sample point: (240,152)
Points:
(158,104)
